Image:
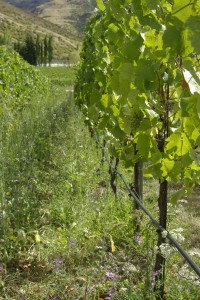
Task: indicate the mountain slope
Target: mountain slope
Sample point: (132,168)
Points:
(70,14)
(18,23)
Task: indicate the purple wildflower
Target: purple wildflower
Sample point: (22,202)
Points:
(110,275)
(110,293)
(71,244)
(57,262)
(138,239)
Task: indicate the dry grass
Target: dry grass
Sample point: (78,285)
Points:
(18,22)
(70,15)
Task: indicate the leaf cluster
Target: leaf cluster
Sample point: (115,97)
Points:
(19,82)
(135,85)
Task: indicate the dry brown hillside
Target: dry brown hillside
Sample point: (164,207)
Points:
(70,14)
(18,22)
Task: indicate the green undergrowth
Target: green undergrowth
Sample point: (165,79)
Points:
(65,235)
(62,76)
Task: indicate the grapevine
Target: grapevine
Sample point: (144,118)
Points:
(139,65)
(19,82)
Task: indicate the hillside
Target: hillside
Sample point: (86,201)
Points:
(18,22)
(70,14)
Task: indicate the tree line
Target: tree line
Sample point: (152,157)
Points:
(36,51)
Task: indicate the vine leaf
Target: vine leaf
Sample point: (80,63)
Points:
(143,144)
(101,5)
(178,144)
(182,10)
(177,196)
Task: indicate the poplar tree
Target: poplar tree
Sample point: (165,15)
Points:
(45,51)
(38,50)
(50,50)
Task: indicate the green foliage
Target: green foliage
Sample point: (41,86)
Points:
(20,86)
(61,76)
(6,38)
(35,51)
(18,22)
(19,83)
(50,50)
(136,55)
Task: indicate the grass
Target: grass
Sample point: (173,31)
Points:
(70,238)
(60,76)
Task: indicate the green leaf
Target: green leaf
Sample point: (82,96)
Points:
(172,40)
(193,25)
(116,9)
(177,196)
(191,106)
(37,238)
(101,5)
(143,145)
(104,100)
(114,34)
(167,166)
(132,48)
(153,39)
(182,9)
(178,144)
(125,77)
(115,110)
(153,170)
(149,5)
(145,70)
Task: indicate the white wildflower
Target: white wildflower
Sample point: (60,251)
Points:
(182,201)
(194,252)
(164,234)
(190,276)
(86,231)
(123,289)
(129,268)
(176,234)
(165,250)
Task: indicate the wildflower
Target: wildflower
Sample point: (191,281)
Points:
(194,252)
(71,244)
(189,275)
(129,268)
(85,230)
(123,289)
(57,262)
(164,234)
(151,252)
(138,239)
(155,273)
(110,293)
(110,275)
(165,250)
(182,201)
(176,234)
